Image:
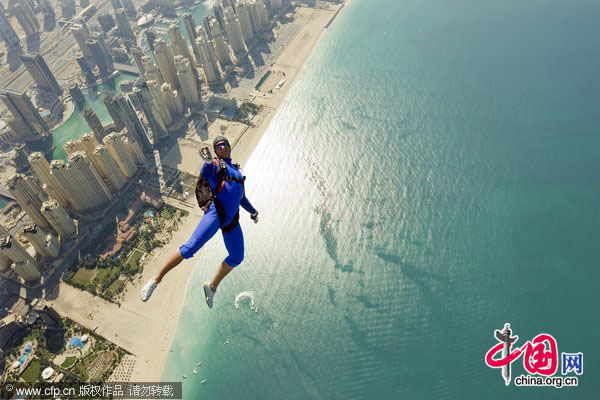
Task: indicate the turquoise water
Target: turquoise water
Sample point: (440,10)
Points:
(432,175)
(76,126)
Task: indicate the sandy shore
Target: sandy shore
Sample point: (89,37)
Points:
(147,329)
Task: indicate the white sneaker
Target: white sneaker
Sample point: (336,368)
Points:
(208,292)
(148,289)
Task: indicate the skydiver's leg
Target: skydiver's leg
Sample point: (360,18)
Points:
(206,229)
(234,242)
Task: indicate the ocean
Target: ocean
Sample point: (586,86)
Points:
(432,175)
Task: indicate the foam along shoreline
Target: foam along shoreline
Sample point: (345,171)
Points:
(147,329)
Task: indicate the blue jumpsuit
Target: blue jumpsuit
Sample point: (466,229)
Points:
(231,196)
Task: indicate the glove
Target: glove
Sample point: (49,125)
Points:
(254,217)
(205,154)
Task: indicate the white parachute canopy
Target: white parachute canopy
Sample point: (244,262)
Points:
(246,294)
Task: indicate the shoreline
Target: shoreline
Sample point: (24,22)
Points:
(157,320)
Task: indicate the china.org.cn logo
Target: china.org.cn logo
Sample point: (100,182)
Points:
(540,359)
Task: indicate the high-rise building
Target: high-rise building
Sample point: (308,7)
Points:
(27,271)
(27,122)
(58,218)
(116,4)
(114,111)
(100,59)
(123,24)
(149,108)
(41,169)
(190,27)
(163,110)
(81,181)
(219,15)
(76,94)
(8,34)
(166,62)
(179,43)
(210,65)
(108,167)
(151,73)
(116,147)
(29,195)
(122,106)
(172,100)
(187,81)
(87,179)
(133,148)
(129,8)
(151,37)
(245,17)
(260,14)
(234,32)
(68,8)
(85,68)
(82,35)
(15,251)
(41,74)
(26,19)
(94,123)
(106,22)
(47,8)
(222,50)
(5,262)
(106,52)
(39,240)
(137,53)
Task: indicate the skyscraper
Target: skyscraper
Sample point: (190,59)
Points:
(85,68)
(163,110)
(58,218)
(82,35)
(129,8)
(81,181)
(24,265)
(39,240)
(222,50)
(94,123)
(123,24)
(87,179)
(114,112)
(150,110)
(137,53)
(209,61)
(68,8)
(8,34)
(100,59)
(116,147)
(41,74)
(108,167)
(172,100)
(133,148)
(29,195)
(151,37)
(151,73)
(234,32)
(106,22)
(245,18)
(41,169)
(187,81)
(166,63)
(27,122)
(26,18)
(135,129)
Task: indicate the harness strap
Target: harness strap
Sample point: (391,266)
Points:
(221,214)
